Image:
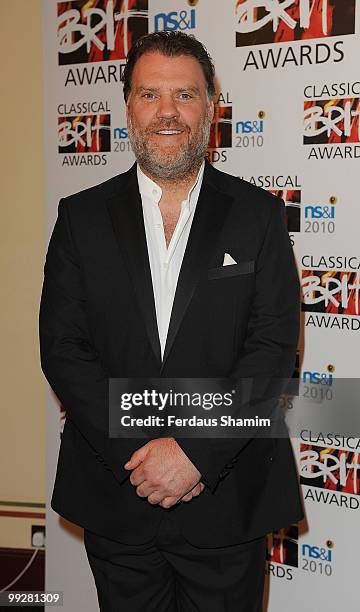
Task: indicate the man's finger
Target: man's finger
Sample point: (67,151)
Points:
(195,492)
(188,497)
(137,476)
(168,502)
(154,498)
(136,458)
(145,489)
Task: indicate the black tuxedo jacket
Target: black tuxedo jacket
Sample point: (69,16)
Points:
(98,320)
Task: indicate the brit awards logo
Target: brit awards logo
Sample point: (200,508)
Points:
(331,296)
(264,22)
(84,140)
(332,475)
(282,551)
(331,126)
(91,31)
(221,129)
(292,200)
(288,188)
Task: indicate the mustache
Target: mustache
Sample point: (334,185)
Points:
(167,125)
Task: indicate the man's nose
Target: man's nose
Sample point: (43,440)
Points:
(167,107)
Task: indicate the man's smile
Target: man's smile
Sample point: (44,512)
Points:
(167,132)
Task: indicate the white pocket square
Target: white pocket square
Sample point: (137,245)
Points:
(228,260)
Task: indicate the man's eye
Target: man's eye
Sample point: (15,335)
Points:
(185,96)
(148,95)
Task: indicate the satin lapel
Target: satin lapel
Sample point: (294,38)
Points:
(211,211)
(125,209)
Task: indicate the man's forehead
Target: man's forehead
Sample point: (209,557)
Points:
(155,63)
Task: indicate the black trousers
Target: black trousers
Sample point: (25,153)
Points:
(168,574)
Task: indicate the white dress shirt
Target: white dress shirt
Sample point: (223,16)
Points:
(165,262)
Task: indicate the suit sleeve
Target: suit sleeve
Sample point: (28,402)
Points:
(69,359)
(268,354)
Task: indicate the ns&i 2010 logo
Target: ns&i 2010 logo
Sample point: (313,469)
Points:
(175,20)
(318,559)
(321,218)
(250,132)
(317,552)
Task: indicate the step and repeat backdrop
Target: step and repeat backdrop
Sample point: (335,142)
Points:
(287,120)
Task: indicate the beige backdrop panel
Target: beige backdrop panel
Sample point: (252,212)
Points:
(21,247)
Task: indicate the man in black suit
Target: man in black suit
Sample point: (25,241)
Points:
(170,270)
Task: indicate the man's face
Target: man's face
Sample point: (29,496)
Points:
(169,115)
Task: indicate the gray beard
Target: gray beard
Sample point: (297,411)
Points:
(188,159)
